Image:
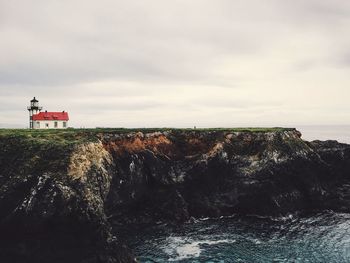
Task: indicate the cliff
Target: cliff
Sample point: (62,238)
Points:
(64,195)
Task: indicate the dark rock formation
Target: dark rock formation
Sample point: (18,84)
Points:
(64,202)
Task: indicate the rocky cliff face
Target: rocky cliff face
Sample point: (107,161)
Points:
(64,202)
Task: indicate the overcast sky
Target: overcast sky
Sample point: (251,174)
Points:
(178,63)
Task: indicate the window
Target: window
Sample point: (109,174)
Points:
(64,124)
(38,124)
(56,124)
(46,125)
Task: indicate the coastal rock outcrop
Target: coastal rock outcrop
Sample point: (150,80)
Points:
(65,196)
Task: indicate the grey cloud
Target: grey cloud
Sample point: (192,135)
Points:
(121,105)
(342,60)
(148,46)
(132,56)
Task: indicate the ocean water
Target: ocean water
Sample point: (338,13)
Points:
(322,237)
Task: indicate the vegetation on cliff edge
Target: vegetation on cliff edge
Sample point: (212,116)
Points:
(73,136)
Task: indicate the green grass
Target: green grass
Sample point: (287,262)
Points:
(73,136)
(74,132)
(68,132)
(27,149)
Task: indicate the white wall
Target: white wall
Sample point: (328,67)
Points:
(49,124)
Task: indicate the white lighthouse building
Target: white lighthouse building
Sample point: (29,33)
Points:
(46,119)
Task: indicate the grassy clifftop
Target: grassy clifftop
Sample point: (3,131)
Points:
(72,136)
(39,149)
(27,147)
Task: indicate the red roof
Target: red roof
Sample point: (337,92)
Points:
(51,116)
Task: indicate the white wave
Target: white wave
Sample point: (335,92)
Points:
(179,248)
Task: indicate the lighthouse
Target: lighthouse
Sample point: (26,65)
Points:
(33,109)
(46,119)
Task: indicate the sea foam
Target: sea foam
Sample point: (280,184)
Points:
(179,248)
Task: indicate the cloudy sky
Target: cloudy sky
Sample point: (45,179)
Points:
(178,63)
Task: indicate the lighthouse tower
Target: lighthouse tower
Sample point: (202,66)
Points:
(33,109)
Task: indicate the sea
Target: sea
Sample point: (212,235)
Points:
(321,237)
(318,237)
